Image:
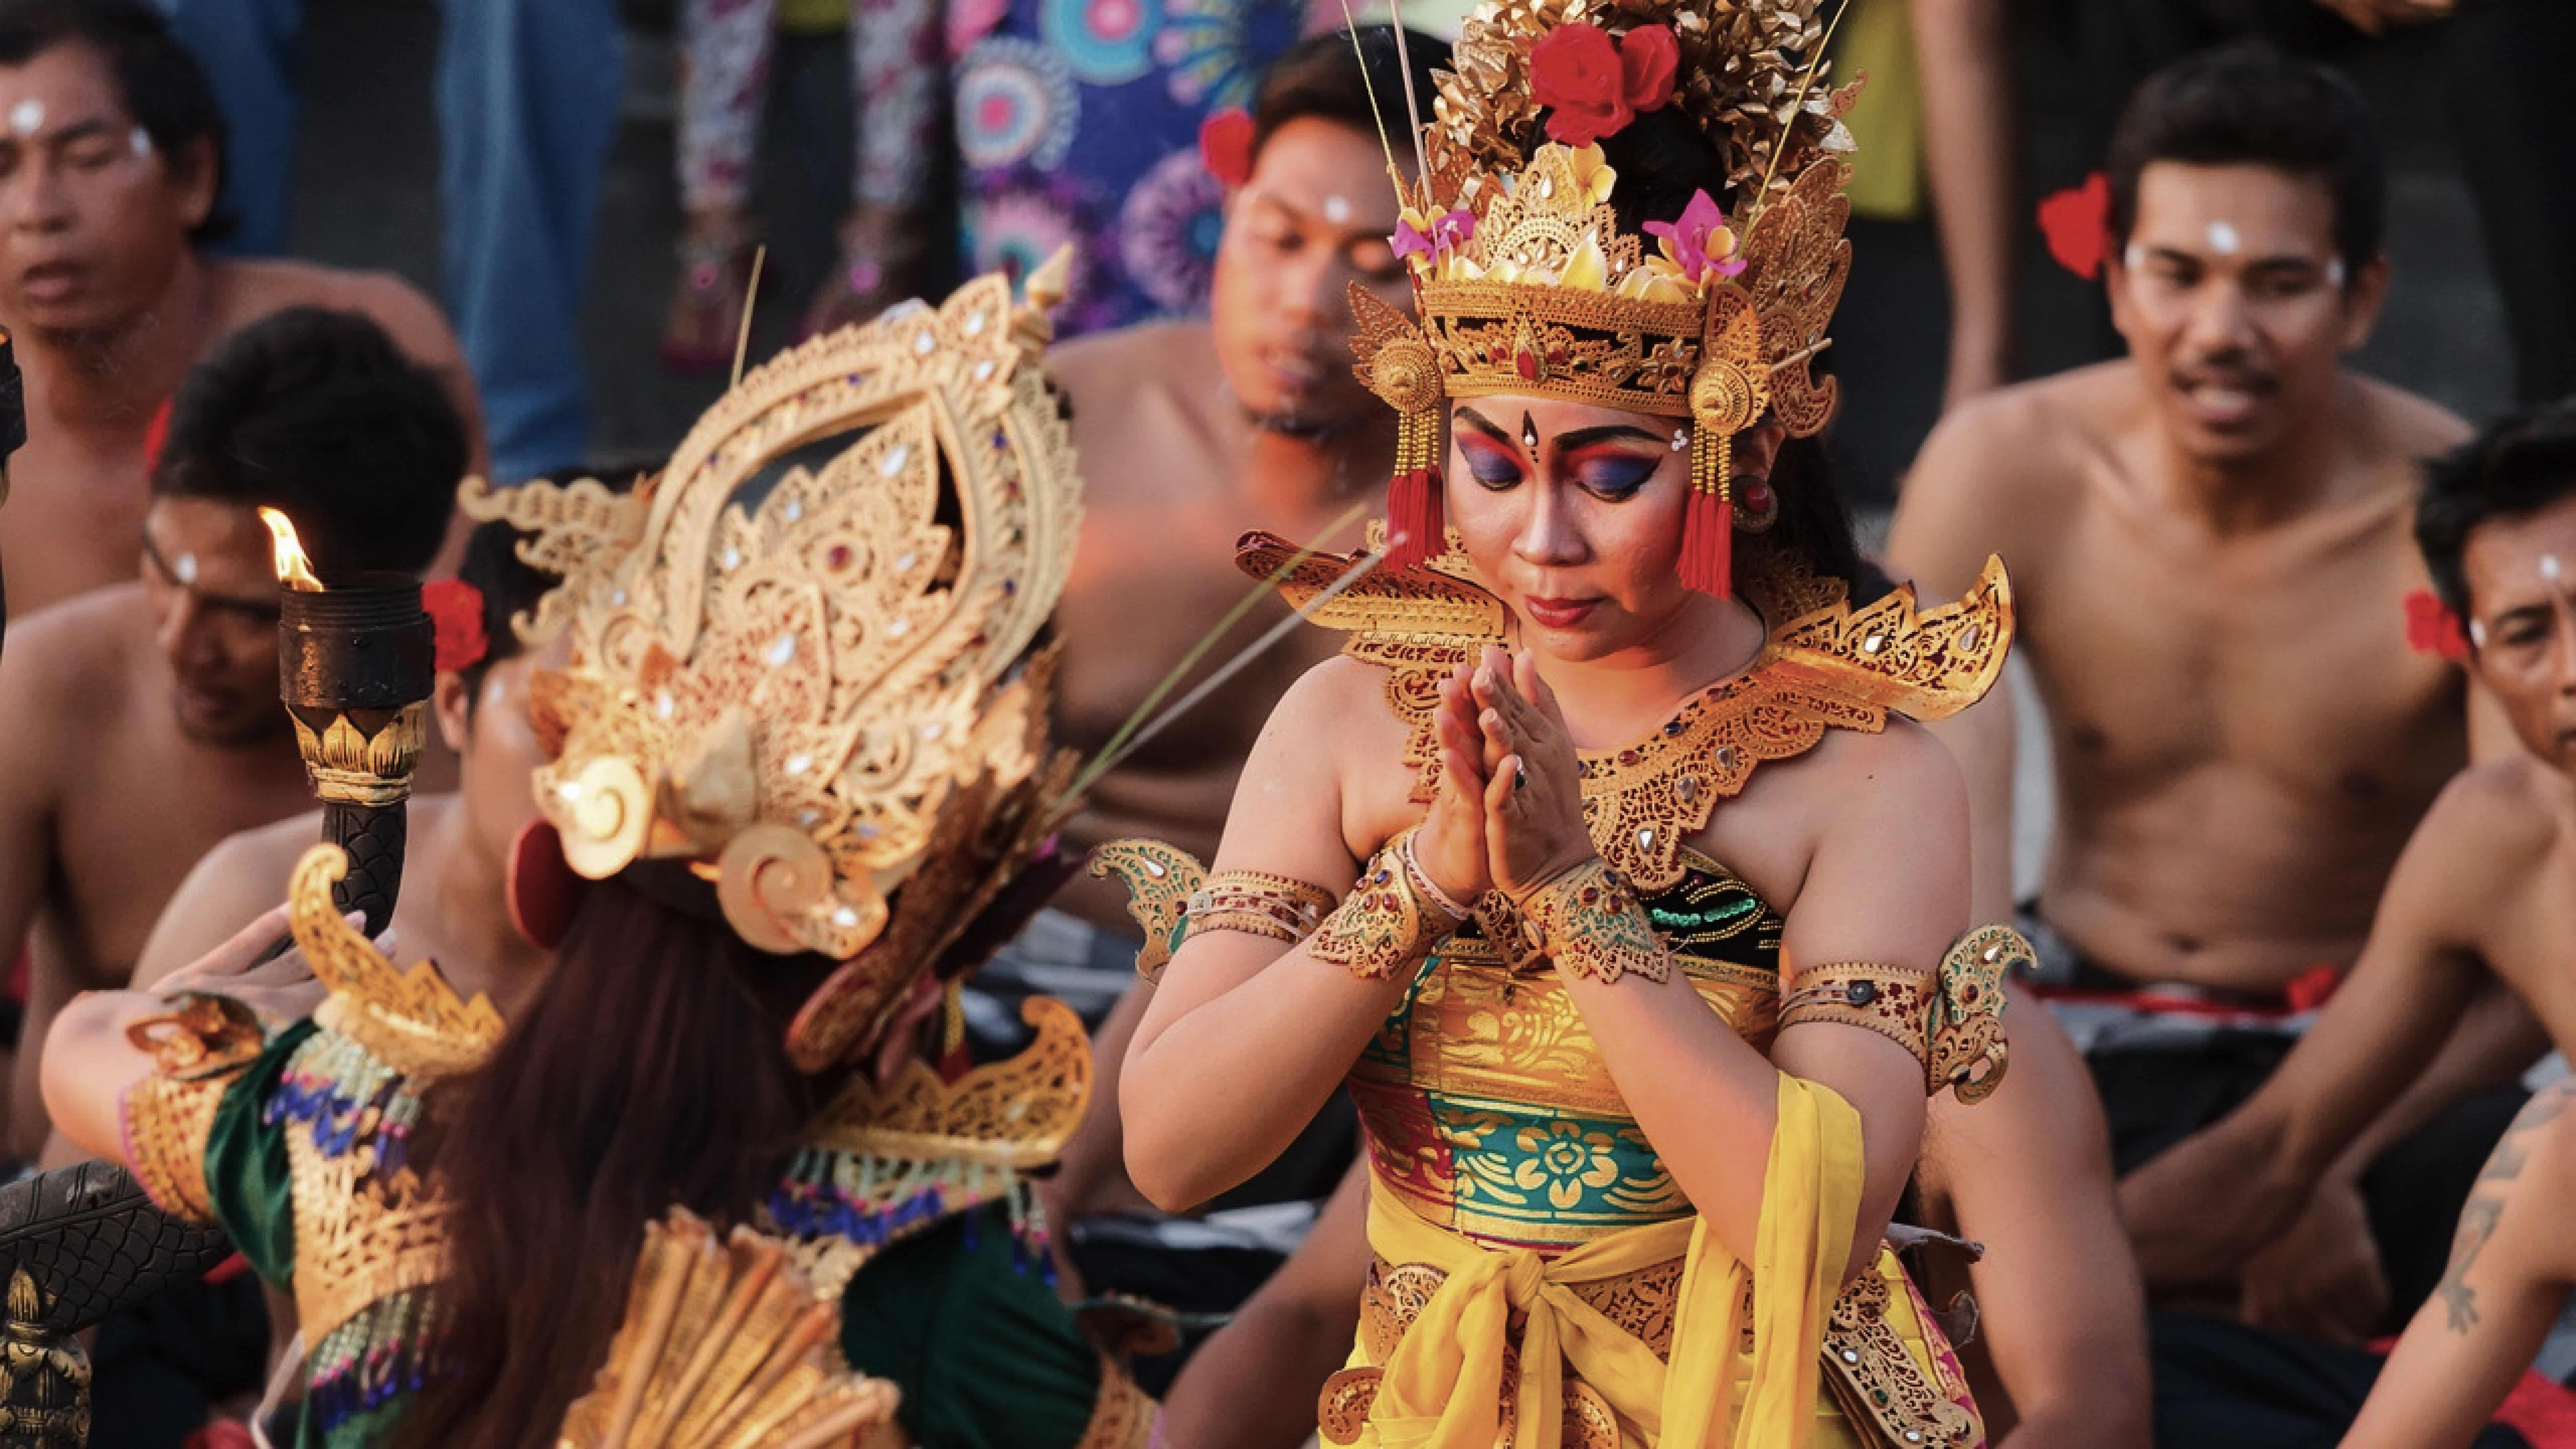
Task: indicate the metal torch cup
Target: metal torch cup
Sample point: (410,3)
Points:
(355,662)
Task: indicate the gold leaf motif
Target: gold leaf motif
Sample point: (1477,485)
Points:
(410,1020)
(1015,1113)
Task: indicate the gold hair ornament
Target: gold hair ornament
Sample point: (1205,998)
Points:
(809,658)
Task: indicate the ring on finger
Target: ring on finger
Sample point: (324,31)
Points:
(1520,778)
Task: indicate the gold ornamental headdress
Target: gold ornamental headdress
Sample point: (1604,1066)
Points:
(1526,283)
(810,659)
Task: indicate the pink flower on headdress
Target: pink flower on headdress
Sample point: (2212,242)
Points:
(2431,627)
(1448,231)
(2077,223)
(1699,242)
(1595,85)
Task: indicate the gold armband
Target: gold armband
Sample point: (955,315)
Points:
(1590,920)
(1952,1022)
(1871,995)
(1257,903)
(1387,921)
(198,1052)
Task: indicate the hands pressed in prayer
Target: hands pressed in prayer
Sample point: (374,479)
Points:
(1534,830)
(1451,846)
(2322,1278)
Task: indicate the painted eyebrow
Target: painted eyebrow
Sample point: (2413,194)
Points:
(1482,424)
(1574,438)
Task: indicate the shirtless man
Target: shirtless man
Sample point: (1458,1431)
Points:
(111,152)
(2485,890)
(2209,545)
(140,725)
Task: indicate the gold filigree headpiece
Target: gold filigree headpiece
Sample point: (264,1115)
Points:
(810,658)
(1526,283)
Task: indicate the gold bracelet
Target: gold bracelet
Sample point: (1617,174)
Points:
(1258,904)
(1872,995)
(198,1051)
(1591,921)
(1384,923)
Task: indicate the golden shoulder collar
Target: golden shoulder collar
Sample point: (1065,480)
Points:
(1824,665)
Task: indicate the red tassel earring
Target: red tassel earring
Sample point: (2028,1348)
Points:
(1708,520)
(1417,524)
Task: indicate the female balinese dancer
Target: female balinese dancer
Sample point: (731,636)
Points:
(796,718)
(1644,981)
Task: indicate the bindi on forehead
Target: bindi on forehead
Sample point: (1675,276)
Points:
(2224,239)
(1337,209)
(27,117)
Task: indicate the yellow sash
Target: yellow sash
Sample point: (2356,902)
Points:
(1442,1386)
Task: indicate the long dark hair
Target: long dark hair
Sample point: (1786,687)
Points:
(650,1070)
(1662,160)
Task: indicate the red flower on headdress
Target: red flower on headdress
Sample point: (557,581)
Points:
(2431,627)
(2077,223)
(1225,145)
(1594,85)
(456,608)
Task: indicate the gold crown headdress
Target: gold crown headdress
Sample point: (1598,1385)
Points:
(1526,284)
(809,658)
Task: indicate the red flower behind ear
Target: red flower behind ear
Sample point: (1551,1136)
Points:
(1225,146)
(456,608)
(2431,627)
(2077,223)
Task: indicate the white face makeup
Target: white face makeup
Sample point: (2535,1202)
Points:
(2334,272)
(2551,570)
(2478,632)
(140,140)
(1337,210)
(1681,439)
(27,117)
(2134,257)
(2223,239)
(184,568)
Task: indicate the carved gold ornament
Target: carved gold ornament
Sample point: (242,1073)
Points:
(724,1344)
(809,657)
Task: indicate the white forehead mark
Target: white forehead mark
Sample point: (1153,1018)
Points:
(2223,238)
(1337,210)
(27,117)
(2334,272)
(2551,569)
(184,568)
(140,140)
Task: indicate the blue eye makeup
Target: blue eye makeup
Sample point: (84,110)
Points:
(1491,467)
(1615,477)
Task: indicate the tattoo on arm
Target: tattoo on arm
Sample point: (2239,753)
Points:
(2485,1207)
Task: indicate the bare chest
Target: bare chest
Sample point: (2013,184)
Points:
(2531,942)
(125,839)
(74,521)
(2287,662)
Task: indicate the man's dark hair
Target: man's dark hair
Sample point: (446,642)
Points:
(161,84)
(317,414)
(2518,464)
(2246,104)
(1319,76)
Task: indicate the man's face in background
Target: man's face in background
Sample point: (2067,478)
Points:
(1315,216)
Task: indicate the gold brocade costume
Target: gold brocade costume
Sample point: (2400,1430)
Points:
(809,666)
(1501,1150)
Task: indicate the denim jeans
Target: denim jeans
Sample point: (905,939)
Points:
(527,107)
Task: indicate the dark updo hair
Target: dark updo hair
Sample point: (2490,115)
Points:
(1663,159)
(2518,464)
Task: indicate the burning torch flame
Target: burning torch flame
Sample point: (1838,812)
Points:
(293,569)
